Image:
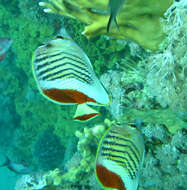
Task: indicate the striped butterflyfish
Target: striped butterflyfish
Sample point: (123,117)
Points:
(119,158)
(64,75)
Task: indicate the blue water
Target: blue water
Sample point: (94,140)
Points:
(8,179)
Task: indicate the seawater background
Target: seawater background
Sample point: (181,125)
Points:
(40,134)
(7,179)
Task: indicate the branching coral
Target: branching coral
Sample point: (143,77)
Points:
(31,182)
(167,77)
(39,181)
(130,18)
(164,165)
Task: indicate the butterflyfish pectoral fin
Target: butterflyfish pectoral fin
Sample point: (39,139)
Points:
(85,113)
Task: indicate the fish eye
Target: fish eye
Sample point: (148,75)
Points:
(132,125)
(61,37)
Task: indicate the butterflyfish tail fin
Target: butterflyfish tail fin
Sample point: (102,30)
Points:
(85,113)
(112,19)
(115,21)
(109,22)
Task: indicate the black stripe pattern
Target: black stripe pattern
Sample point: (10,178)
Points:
(51,64)
(122,150)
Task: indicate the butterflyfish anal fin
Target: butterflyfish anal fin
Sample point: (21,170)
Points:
(109,179)
(85,113)
(86,117)
(119,158)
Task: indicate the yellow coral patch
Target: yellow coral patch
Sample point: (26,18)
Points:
(138,20)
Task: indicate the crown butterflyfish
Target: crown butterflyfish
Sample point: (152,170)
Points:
(119,158)
(64,75)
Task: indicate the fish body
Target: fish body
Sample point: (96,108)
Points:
(15,167)
(114,7)
(119,158)
(5,44)
(64,75)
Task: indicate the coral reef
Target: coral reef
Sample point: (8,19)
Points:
(111,80)
(164,165)
(28,26)
(82,163)
(164,162)
(25,35)
(167,70)
(130,18)
(31,182)
(148,86)
(77,171)
(159,116)
(27,114)
(8,121)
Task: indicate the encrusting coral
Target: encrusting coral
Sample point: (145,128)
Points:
(138,20)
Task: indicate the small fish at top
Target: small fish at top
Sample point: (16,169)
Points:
(64,75)
(120,158)
(114,7)
(15,167)
(5,44)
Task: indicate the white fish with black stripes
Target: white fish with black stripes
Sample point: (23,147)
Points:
(120,157)
(64,75)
